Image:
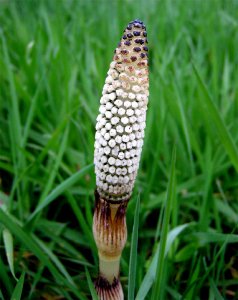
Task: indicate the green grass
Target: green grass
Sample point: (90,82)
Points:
(54,56)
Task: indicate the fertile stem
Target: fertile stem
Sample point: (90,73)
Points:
(118,145)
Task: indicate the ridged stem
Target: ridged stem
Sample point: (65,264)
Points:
(110,234)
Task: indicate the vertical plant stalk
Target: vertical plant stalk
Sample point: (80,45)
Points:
(118,145)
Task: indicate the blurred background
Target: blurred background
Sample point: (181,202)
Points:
(54,56)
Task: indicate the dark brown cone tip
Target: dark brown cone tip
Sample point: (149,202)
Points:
(134,34)
(107,291)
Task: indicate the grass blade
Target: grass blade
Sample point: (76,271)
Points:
(214,116)
(1,296)
(18,289)
(5,278)
(165,228)
(60,189)
(8,242)
(91,285)
(150,275)
(185,126)
(31,112)
(55,260)
(133,253)
(28,241)
(203,238)
(15,115)
(214,290)
(55,165)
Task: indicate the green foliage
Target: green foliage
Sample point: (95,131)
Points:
(54,56)
(91,286)
(8,244)
(160,269)
(133,253)
(16,295)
